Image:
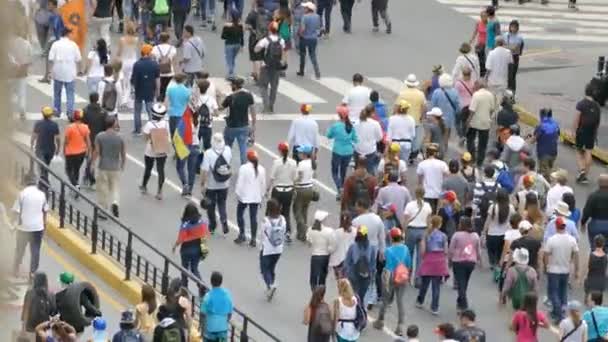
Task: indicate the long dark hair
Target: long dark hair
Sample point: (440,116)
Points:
(191,214)
(530,307)
(148,296)
(102,51)
(504,207)
(273,208)
(318,294)
(255,163)
(348,126)
(346,221)
(285,155)
(40,285)
(441,124)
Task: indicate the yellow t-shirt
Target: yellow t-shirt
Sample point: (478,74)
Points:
(415,97)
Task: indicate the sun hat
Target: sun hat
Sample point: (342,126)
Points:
(467,157)
(435,111)
(411,81)
(283,146)
(47,111)
(218,143)
(562,209)
(525,225)
(159,110)
(438,68)
(321,215)
(395,232)
(521,256)
(446,81)
(305,108)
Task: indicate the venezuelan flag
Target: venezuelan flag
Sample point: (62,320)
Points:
(189,231)
(182,138)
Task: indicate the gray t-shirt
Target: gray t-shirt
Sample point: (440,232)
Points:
(110,147)
(375,229)
(194,51)
(458,184)
(396,194)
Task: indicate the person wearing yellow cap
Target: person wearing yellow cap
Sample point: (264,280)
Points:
(273,63)
(392,163)
(45,140)
(146,83)
(360,262)
(402,129)
(304,131)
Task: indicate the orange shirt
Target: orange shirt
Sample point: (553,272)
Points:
(75,138)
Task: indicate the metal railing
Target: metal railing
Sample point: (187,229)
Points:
(113,238)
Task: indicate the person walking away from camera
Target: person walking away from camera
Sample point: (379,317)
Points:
(281,184)
(42,15)
(304,131)
(111,91)
(257,22)
(464,252)
(94,116)
(380,7)
(559,186)
(527,320)
(164,54)
(274,61)
(193,52)
(323,10)
(56,30)
(595,212)
(180,10)
(193,228)
(217,306)
(360,263)
(431,173)
(127,54)
(393,194)
(513,148)
(240,106)
(38,303)
(284,18)
(573,328)
(234,40)
(65,58)
(415,218)
(482,107)
(466,60)
(101,20)
(359,185)
(160,15)
(96,60)
(272,242)
(318,317)
(145,80)
(436,132)
(31,208)
(249,189)
(515,43)
(586,124)
(401,129)
(156,134)
(344,238)
(497,69)
(520,278)
(492,29)
(417,109)
(304,190)
(215,180)
(356,99)
(562,211)
(176,100)
(76,146)
(559,253)
(546,136)
(345,313)
(596,317)
(322,242)
(145,312)
(203,99)
(450,210)
(310,30)
(529,242)
(207,11)
(596,270)
(478,40)
(20,60)
(395,277)
(187,166)
(369,134)
(457,183)
(434,264)
(391,163)
(495,227)
(45,141)
(446,98)
(465,86)
(344,138)
(128,332)
(110,150)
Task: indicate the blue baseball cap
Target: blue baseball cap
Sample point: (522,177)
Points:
(306,149)
(99,324)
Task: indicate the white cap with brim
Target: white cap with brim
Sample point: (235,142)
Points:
(521,256)
(321,215)
(411,81)
(562,209)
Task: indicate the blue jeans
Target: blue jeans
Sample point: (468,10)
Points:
(324,11)
(311,46)
(268,263)
(372,162)
(230,52)
(240,134)
(413,237)
(339,165)
(253,217)
(435,282)
(236,4)
(360,285)
(137,108)
(191,256)
(144,20)
(191,162)
(557,291)
(208,10)
(92,83)
(417,145)
(69,93)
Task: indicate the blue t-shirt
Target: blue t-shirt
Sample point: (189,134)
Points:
(216,306)
(311,24)
(56,25)
(547,137)
(46,129)
(601,318)
(343,141)
(397,254)
(178,96)
(143,79)
(493,27)
(380,108)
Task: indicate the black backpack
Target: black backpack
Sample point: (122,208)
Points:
(221,169)
(362,265)
(109,97)
(489,197)
(204,115)
(40,308)
(273,56)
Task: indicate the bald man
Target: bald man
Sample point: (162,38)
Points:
(595,213)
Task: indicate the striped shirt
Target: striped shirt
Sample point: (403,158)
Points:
(479,191)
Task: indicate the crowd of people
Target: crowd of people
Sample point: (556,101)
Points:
(502,194)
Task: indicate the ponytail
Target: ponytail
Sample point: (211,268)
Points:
(255,166)
(441,124)
(348,126)
(284,154)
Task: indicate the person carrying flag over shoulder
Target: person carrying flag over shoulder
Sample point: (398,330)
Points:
(192,231)
(186,143)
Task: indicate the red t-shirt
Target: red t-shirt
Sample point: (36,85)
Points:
(523,326)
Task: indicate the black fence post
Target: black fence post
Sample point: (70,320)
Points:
(164,283)
(128,256)
(244,337)
(62,206)
(94,231)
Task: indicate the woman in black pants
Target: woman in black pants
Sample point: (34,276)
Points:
(495,228)
(282,179)
(76,146)
(156,134)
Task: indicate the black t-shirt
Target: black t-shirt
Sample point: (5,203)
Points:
(95,118)
(506,117)
(467,334)
(103,9)
(590,116)
(46,129)
(238,104)
(531,244)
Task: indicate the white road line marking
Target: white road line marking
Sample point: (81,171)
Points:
(389,83)
(33,116)
(524,14)
(567,37)
(554,21)
(47,89)
(528,6)
(224,87)
(335,84)
(297,93)
(484,3)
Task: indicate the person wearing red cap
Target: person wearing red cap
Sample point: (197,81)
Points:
(273,62)
(75,147)
(249,190)
(560,253)
(281,184)
(450,211)
(344,138)
(304,131)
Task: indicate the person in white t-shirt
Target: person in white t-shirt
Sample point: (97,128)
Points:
(304,190)
(156,134)
(64,58)
(216,190)
(497,69)
(415,217)
(431,172)
(369,133)
(357,98)
(31,208)
(281,183)
(164,54)
(250,188)
(272,241)
(96,59)
(402,129)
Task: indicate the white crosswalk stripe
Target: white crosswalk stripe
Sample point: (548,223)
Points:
(47,89)
(552,22)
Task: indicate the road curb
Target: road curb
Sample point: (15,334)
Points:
(530,119)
